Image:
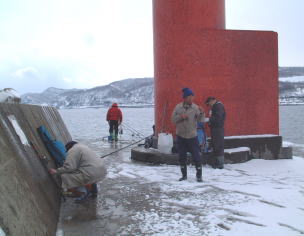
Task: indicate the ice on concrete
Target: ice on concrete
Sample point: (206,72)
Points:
(2,233)
(18,130)
(59,232)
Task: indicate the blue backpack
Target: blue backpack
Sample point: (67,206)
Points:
(55,147)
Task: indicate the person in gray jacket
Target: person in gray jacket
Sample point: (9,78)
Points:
(81,167)
(185,116)
(216,124)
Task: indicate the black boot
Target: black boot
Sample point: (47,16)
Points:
(94,190)
(220,160)
(199,173)
(184,173)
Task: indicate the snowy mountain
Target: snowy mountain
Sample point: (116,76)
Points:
(140,92)
(131,92)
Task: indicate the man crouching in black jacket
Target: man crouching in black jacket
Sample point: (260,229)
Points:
(216,124)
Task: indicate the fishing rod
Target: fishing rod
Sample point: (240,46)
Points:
(118,150)
(132,129)
(133,132)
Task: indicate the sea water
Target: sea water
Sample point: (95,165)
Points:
(90,125)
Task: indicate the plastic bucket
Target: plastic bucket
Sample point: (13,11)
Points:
(165,143)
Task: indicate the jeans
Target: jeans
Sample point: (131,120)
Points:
(188,145)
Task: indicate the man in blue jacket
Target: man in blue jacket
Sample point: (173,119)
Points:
(216,124)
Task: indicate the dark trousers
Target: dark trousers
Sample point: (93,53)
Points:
(188,145)
(113,126)
(217,139)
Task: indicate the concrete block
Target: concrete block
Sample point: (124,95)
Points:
(285,153)
(262,146)
(30,199)
(153,156)
(237,155)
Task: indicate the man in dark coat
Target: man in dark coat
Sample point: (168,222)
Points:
(216,124)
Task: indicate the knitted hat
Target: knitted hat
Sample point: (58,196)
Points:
(187,92)
(69,145)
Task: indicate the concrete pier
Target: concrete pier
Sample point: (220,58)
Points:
(238,149)
(30,198)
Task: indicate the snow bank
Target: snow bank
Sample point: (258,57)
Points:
(9,95)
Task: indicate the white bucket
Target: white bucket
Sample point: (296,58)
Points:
(165,143)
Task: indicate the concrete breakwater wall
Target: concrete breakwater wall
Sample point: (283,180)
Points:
(29,196)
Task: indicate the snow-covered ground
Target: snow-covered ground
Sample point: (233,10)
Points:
(255,198)
(260,197)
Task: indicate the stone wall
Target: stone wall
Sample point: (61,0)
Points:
(30,197)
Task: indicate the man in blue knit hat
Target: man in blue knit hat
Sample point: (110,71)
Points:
(185,116)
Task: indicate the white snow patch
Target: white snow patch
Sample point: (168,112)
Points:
(18,130)
(290,144)
(9,95)
(2,233)
(239,149)
(251,136)
(59,232)
(259,197)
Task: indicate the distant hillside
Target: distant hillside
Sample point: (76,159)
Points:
(140,91)
(126,92)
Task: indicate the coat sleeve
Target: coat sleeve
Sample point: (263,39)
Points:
(200,114)
(71,162)
(218,112)
(108,114)
(176,117)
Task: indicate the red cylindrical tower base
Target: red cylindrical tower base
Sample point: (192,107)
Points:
(193,49)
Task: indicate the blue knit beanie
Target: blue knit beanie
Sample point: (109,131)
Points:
(187,92)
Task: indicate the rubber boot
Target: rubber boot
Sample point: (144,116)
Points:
(214,162)
(199,173)
(184,173)
(220,162)
(84,196)
(116,138)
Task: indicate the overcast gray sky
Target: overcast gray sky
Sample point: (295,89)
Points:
(82,44)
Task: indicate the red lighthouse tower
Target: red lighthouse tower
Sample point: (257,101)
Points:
(193,49)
